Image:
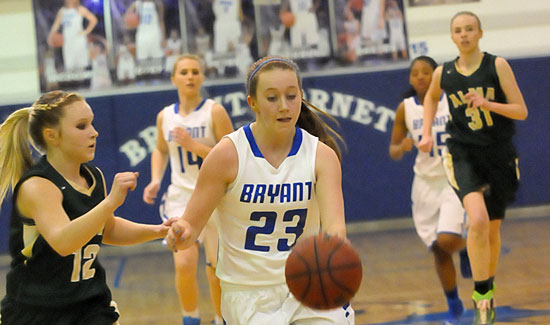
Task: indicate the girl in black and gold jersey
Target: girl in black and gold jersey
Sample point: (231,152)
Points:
(61,215)
(484,100)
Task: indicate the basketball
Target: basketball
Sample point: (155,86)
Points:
(55,40)
(131,20)
(287,18)
(323,271)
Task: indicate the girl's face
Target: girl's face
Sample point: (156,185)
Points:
(465,33)
(188,77)
(278,99)
(72,3)
(421,76)
(76,136)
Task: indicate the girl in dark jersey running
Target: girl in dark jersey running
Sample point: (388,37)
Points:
(484,100)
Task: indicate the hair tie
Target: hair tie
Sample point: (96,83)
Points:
(267,61)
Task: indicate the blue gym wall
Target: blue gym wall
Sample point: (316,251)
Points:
(375,187)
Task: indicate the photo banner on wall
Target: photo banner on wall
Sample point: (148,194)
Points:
(72,47)
(370,32)
(298,29)
(415,3)
(147,38)
(104,44)
(222,32)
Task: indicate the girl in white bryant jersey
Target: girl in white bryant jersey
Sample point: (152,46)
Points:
(273,182)
(227,25)
(150,32)
(70,18)
(187,130)
(373,26)
(305,30)
(438,215)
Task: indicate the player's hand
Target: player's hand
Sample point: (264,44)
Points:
(425,144)
(166,225)
(179,236)
(475,99)
(407,144)
(122,182)
(150,192)
(181,137)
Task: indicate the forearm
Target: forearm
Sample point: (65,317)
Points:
(430,108)
(123,232)
(76,233)
(199,149)
(159,162)
(512,111)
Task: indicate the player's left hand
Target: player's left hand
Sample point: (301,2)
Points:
(181,137)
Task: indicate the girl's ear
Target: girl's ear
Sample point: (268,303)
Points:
(50,135)
(252,103)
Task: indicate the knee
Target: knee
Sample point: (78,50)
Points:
(478,223)
(185,268)
(449,243)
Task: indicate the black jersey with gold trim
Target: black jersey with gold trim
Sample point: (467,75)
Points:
(39,275)
(475,125)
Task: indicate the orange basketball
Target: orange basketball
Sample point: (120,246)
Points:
(55,39)
(287,18)
(131,20)
(323,271)
(350,56)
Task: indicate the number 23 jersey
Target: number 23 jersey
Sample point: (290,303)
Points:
(265,210)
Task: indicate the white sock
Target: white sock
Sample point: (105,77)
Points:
(193,313)
(218,320)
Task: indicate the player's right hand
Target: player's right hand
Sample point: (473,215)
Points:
(150,192)
(179,236)
(426,143)
(122,182)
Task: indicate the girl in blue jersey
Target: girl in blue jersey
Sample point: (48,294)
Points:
(439,218)
(61,215)
(187,131)
(273,182)
(484,100)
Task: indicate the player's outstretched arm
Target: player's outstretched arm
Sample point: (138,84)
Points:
(329,191)
(62,234)
(218,170)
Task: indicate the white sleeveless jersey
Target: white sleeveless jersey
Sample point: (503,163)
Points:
(265,210)
(226,9)
(428,163)
(148,17)
(300,6)
(185,164)
(72,22)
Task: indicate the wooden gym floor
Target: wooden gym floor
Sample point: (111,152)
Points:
(399,285)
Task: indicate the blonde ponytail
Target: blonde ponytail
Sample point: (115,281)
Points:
(15,154)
